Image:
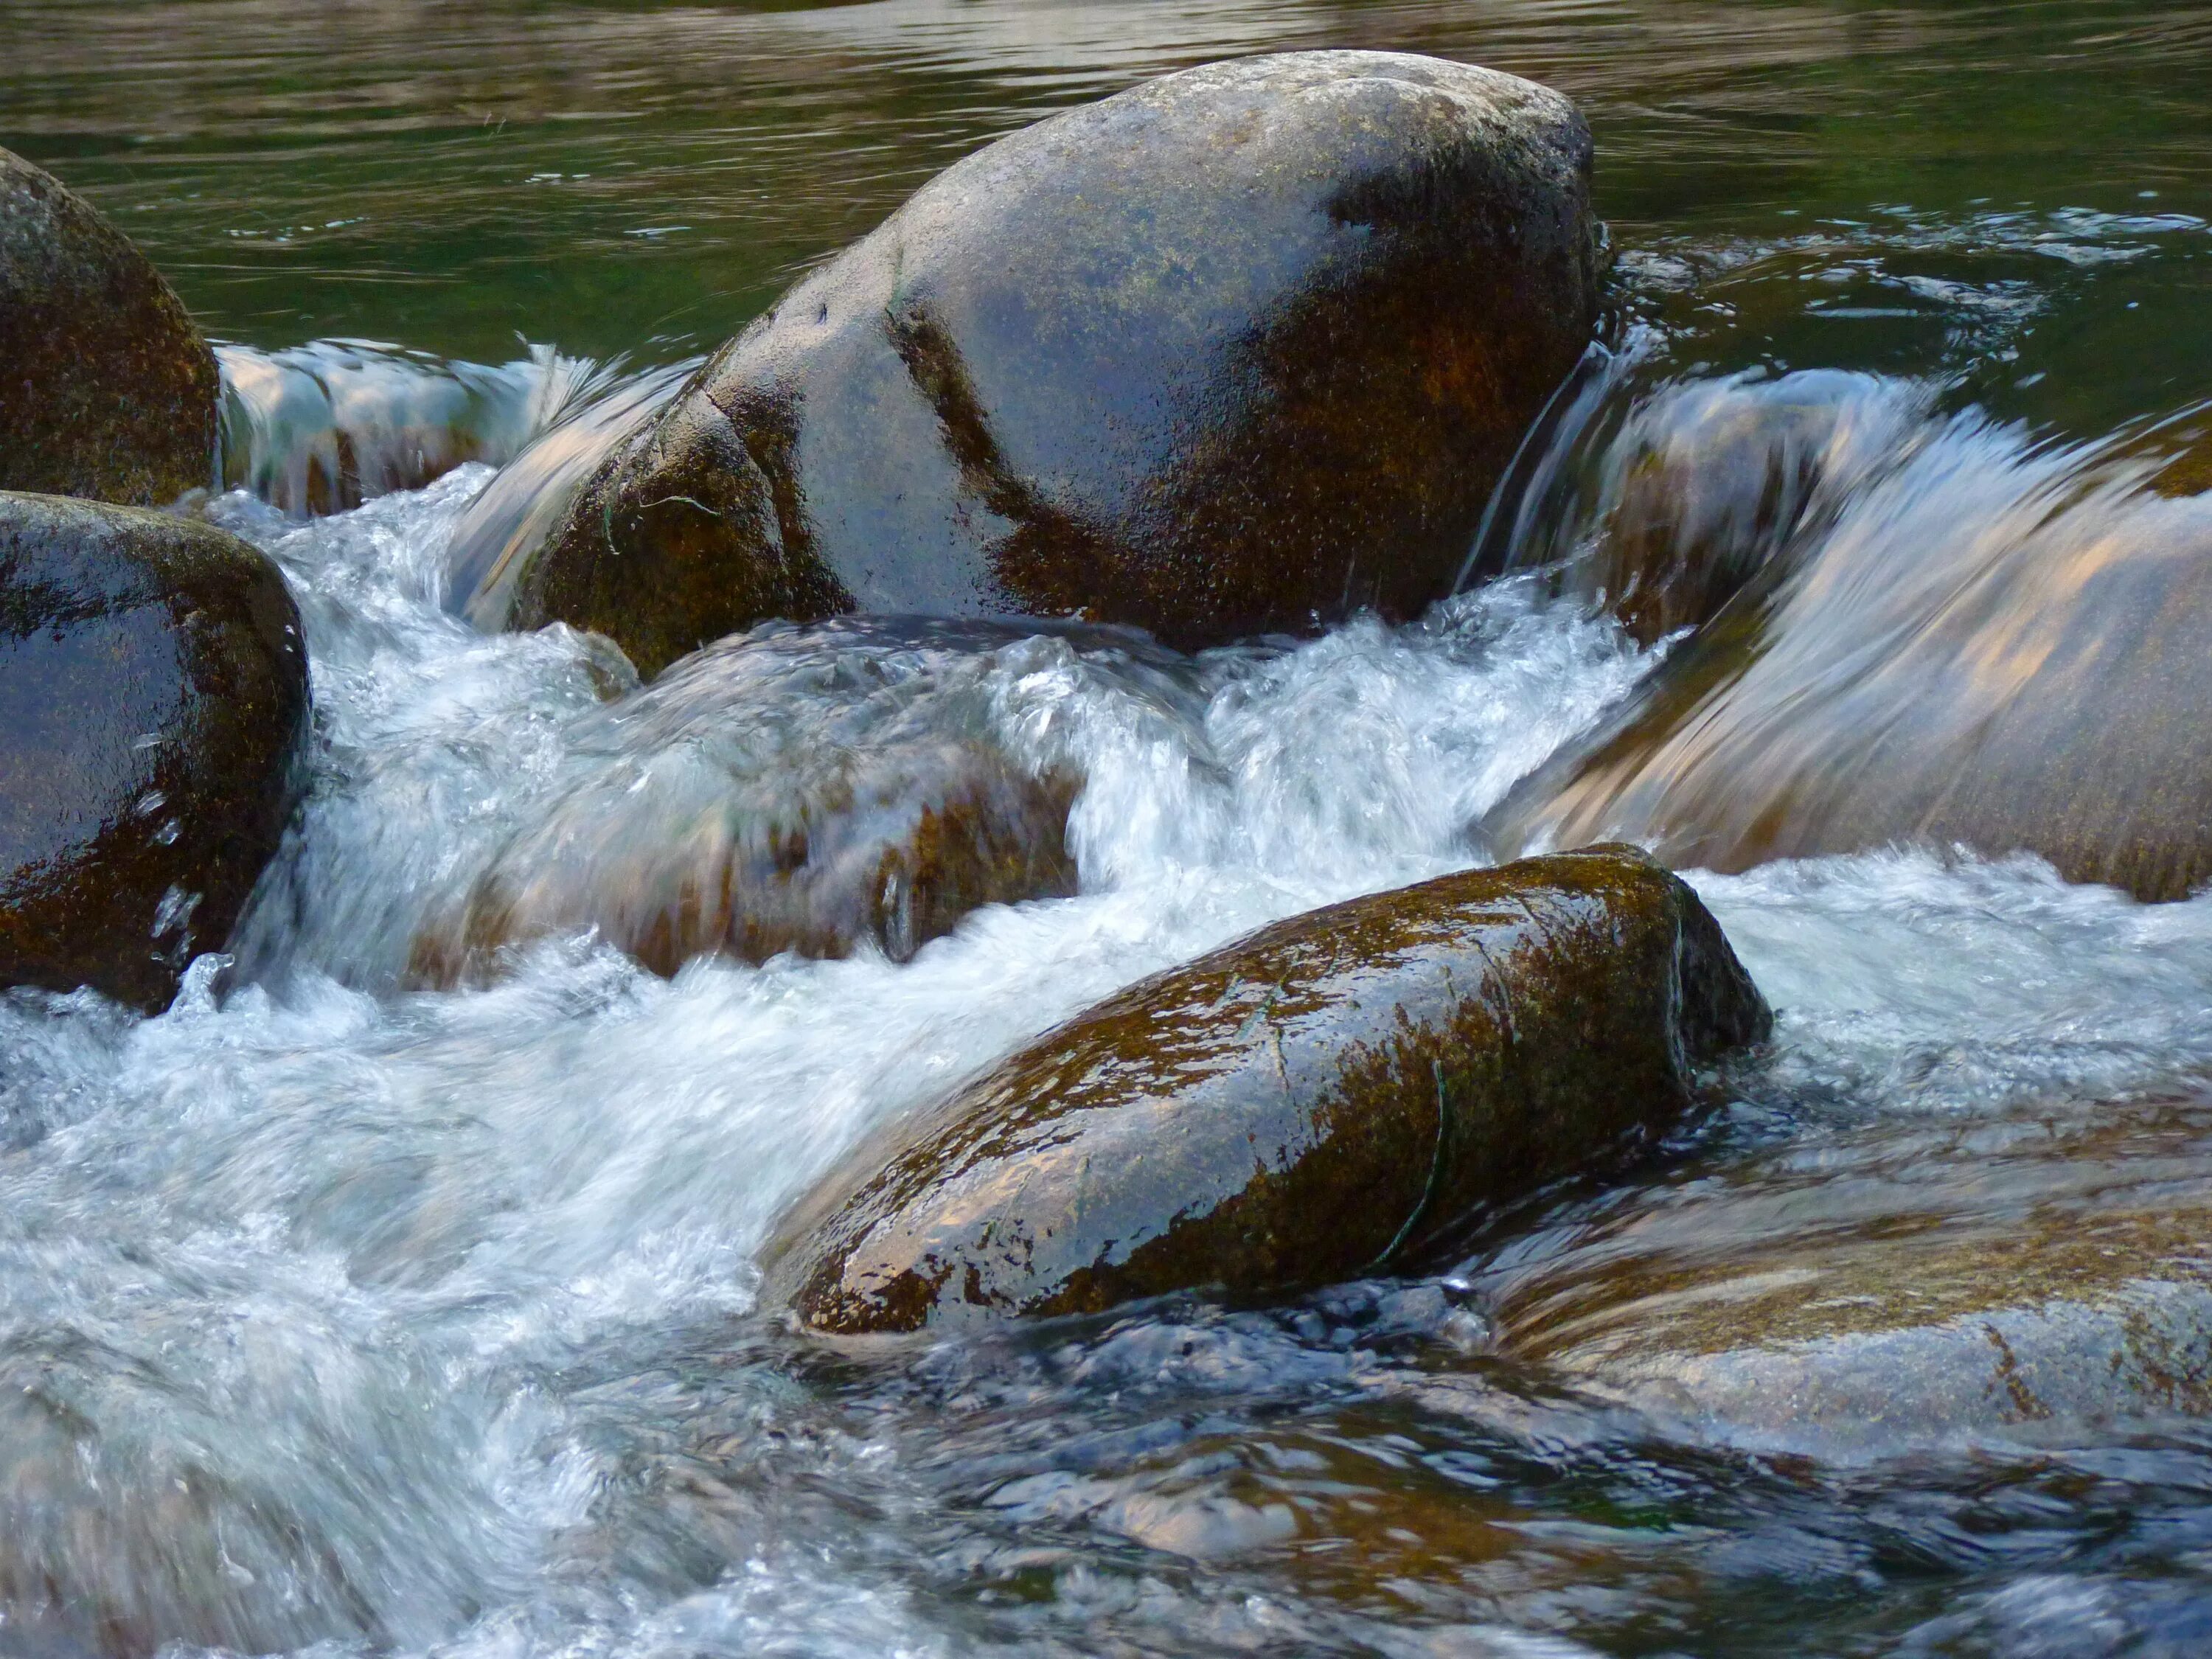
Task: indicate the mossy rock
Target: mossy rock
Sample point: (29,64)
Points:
(817,790)
(1865,1292)
(108,390)
(1240,350)
(1332,1096)
(153,707)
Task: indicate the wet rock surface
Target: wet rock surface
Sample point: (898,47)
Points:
(1331,1097)
(1238,350)
(106,388)
(153,705)
(2026,684)
(1862,1291)
(817,790)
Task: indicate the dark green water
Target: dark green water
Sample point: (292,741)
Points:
(642,178)
(378,1324)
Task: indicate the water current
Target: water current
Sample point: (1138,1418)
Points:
(345,1317)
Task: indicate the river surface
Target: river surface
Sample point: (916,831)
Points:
(340,1317)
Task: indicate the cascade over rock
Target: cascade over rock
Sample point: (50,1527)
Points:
(2021,678)
(802,789)
(1236,351)
(1330,1097)
(106,388)
(153,707)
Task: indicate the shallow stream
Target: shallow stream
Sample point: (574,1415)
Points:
(341,1317)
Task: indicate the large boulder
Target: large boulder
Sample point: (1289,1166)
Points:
(812,790)
(1867,1292)
(153,705)
(1239,349)
(1981,646)
(1331,1097)
(106,388)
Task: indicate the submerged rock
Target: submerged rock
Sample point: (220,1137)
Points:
(106,388)
(1862,1293)
(1239,349)
(1983,648)
(153,703)
(804,789)
(1334,1095)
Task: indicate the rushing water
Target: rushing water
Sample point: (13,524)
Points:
(337,1315)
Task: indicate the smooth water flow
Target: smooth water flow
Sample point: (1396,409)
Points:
(341,1315)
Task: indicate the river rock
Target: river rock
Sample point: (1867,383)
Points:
(1240,349)
(1997,654)
(153,705)
(1860,1293)
(1332,1095)
(106,388)
(809,789)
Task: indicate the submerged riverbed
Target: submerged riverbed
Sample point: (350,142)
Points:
(335,1314)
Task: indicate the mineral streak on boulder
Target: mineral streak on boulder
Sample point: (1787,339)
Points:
(1861,1293)
(1335,1095)
(1997,649)
(106,388)
(1237,349)
(804,789)
(153,704)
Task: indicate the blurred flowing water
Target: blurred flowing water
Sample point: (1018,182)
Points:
(340,1316)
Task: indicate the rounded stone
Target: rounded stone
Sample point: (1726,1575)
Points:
(1241,349)
(1333,1095)
(108,390)
(153,707)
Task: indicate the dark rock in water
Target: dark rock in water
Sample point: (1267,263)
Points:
(803,789)
(153,703)
(1333,1095)
(1997,653)
(1238,349)
(1863,1292)
(106,388)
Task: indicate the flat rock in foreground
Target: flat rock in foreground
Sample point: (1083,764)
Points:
(106,388)
(1236,351)
(1331,1097)
(1861,1294)
(153,704)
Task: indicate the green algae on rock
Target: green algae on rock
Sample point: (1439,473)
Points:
(1863,1292)
(108,390)
(806,789)
(1334,1095)
(153,705)
(1239,349)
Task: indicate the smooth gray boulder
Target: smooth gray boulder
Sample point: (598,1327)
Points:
(1239,349)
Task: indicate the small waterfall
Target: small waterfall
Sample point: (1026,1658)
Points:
(321,427)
